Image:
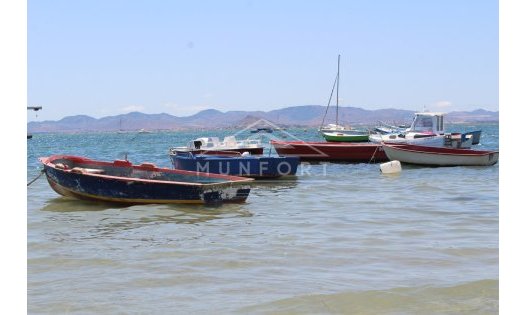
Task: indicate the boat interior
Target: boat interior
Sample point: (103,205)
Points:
(121,168)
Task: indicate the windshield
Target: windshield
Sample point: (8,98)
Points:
(423,124)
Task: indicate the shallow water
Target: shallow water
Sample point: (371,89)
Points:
(338,238)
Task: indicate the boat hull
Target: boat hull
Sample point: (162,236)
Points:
(250,166)
(434,156)
(331,151)
(135,190)
(341,137)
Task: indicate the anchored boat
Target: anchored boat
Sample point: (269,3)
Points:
(331,151)
(346,136)
(427,129)
(212,145)
(122,182)
(233,163)
(336,132)
(437,156)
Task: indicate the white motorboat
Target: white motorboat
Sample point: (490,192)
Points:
(427,129)
(229,143)
(439,156)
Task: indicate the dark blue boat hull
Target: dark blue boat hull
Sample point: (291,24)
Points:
(251,166)
(132,191)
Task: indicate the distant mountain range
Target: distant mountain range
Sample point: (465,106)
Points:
(300,116)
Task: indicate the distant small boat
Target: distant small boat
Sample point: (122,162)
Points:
(122,182)
(120,127)
(383,128)
(331,151)
(211,145)
(29,136)
(233,163)
(264,129)
(439,156)
(144,131)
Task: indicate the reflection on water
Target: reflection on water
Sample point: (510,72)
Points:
(66,204)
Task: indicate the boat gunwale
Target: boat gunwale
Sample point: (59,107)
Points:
(47,161)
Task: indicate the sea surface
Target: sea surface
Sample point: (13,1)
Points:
(336,239)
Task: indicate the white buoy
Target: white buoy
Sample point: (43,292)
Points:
(391,167)
(245,154)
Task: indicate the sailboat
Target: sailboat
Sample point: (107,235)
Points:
(120,127)
(336,132)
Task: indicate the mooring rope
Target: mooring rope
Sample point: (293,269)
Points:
(372,157)
(31,182)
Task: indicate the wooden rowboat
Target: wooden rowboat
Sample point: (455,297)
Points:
(122,182)
(439,156)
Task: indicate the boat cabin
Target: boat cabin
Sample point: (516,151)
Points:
(203,143)
(429,123)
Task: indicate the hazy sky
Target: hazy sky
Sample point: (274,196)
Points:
(110,57)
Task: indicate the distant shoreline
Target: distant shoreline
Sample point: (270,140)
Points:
(211,129)
(305,116)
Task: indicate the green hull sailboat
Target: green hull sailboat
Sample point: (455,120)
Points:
(338,133)
(345,137)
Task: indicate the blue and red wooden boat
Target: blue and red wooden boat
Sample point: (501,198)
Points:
(234,163)
(122,182)
(331,151)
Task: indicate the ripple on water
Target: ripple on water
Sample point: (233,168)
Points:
(340,238)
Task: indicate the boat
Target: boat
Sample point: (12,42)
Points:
(331,151)
(384,128)
(212,145)
(120,127)
(336,132)
(144,131)
(439,156)
(122,182)
(343,136)
(427,129)
(234,163)
(263,129)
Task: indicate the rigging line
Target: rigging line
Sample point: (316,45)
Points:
(329,102)
(337,90)
(31,182)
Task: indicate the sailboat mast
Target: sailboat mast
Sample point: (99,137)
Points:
(337,89)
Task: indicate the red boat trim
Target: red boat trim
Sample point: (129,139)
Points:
(236,179)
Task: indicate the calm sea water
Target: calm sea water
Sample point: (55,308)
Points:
(337,239)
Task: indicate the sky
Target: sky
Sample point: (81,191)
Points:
(96,57)
(101,58)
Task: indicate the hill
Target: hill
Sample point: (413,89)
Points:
(305,116)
